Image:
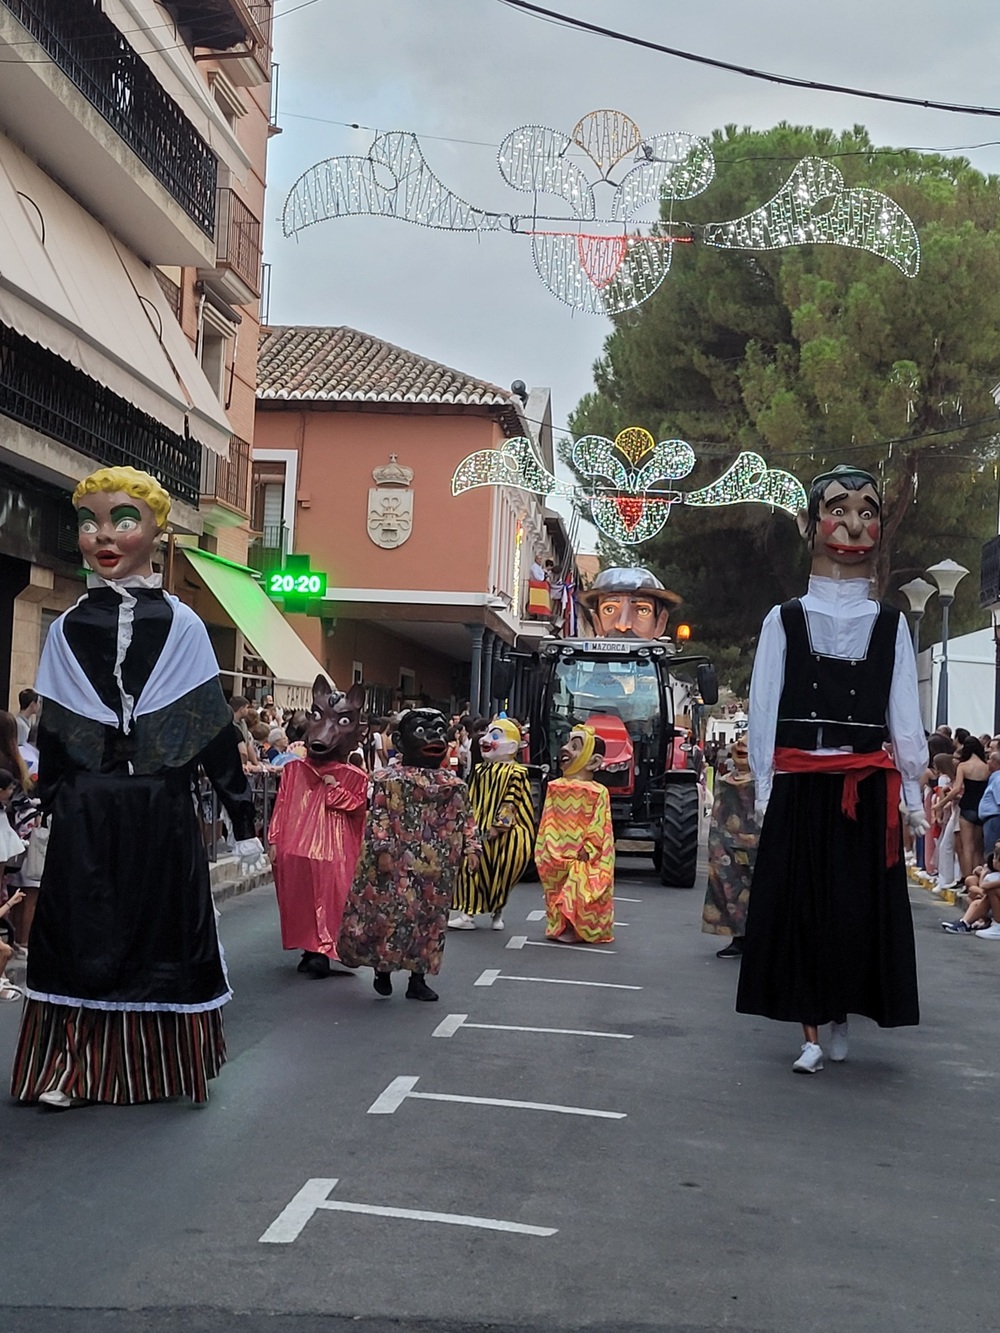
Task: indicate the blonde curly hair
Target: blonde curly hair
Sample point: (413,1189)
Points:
(140,485)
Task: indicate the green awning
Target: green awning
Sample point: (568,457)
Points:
(258,619)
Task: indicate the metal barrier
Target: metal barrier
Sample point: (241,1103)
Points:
(214,824)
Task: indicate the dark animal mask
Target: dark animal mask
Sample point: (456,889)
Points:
(333,726)
(421,737)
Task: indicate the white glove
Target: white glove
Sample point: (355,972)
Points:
(916,821)
(250,855)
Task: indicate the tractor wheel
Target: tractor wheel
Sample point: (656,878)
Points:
(678,848)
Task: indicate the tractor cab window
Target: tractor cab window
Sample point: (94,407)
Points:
(584,688)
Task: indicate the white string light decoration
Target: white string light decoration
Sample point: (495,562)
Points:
(814,208)
(593,257)
(628,501)
(749,480)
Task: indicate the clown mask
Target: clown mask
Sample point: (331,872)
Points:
(500,742)
(583,753)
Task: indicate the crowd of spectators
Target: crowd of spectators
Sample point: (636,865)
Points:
(961,792)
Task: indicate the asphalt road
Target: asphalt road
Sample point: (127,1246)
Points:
(732,1194)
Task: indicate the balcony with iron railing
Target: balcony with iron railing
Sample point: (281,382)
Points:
(98,59)
(40,390)
(237,272)
(226,481)
(237,32)
(268,548)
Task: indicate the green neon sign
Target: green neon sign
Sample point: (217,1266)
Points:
(296,583)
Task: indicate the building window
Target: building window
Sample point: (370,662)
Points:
(407,684)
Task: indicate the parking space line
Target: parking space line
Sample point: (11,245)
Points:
(453,1022)
(519,942)
(537,915)
(493,974)
(312,1197)
(400,1090)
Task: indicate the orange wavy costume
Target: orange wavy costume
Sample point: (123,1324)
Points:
(579,895)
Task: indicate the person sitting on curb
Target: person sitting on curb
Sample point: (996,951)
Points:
(982,916)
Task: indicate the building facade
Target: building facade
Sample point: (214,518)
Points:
(355,445)
(133,142)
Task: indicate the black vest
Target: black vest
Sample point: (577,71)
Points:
(830,702)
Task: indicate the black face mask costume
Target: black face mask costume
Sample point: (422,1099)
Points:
(421,738)
(333,726)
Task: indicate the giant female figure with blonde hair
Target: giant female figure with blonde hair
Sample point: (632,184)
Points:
(125,980)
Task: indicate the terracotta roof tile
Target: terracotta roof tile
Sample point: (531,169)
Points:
(301,363)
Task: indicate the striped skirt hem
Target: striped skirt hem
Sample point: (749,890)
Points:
(118,1056)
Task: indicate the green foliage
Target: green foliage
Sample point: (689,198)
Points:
(815,356)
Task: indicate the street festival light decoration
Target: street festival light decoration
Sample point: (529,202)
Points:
(594,258)
(628,500)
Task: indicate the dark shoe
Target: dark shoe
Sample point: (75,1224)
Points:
(734,949)
(317,966)
(957,927)
(383,983)
(304,963)
(418,989)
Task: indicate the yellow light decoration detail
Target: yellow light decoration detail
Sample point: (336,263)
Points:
(634,442)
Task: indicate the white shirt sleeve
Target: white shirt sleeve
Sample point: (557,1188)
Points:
(906,730)
(766,683)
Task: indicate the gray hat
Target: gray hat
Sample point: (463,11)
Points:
(635,580)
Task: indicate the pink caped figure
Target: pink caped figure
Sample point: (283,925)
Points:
(317,826)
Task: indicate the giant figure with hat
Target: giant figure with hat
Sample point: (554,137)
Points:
(627,603)
(126,981)
(834,683)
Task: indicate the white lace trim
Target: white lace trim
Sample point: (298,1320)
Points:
(127,1006)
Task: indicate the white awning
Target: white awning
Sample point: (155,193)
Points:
(67,284)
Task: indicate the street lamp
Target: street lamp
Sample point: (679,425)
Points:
(918,593)
(947,574)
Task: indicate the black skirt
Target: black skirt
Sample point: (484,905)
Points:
(125,914)
(829,930)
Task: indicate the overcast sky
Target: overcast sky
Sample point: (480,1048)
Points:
(475,69)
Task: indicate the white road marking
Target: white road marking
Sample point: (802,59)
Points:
(520,1106)
(394,1095)
(537,915)
(621,923)
(451,1024)
(312,1197)
(519,941)
(620,899)
(492,974)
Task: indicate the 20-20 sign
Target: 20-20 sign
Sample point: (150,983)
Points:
(293,583)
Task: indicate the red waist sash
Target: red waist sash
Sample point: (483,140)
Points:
(855,768)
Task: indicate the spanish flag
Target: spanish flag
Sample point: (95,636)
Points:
(539,601)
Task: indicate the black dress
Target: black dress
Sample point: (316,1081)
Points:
(829,930)
(125,977)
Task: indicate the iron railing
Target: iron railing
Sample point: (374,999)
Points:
(238,239)
(93,53)
(260,12)
(228,479)
(268,550)
(42,391)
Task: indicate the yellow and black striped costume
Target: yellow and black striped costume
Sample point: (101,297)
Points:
(501,798)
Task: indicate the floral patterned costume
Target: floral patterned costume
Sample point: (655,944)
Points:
(732,850)
(396,919)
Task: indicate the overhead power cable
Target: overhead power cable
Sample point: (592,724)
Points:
(552,15)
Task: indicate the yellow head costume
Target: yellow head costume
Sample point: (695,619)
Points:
(130,481)
(586,753)
(501,740)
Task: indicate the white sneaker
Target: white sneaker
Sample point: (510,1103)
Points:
(497,922)
(990,933)
(62,1101)
(838,1042)
(811,1059)
(461,921)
